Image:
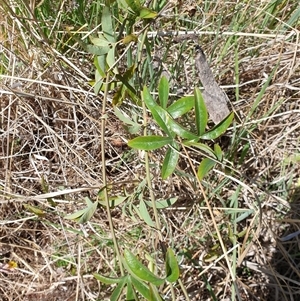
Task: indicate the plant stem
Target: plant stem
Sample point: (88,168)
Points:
(148,175)
(104,179)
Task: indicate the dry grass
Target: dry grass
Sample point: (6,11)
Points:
(50,141)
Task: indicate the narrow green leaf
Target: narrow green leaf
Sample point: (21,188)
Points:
(154,293)
(98,83)
(114,201)
(122,117)
(135,5)
(129,73)
(36,210)
(141,287)
(118,290)
(110,59)
(244,153)
(132,207)
(146,13)
(202,147)
(181,106)
(165,120)
(138,270)
(126,83)
(172,268)
(148,99)
(76,215)
(205,166)
(158,113)
(99,63)
(130,293)
(96,50)
(180,131)
(88,201)
(244,215)
(218,152)
(119,95)
(108,280)
(162,119)
(89,212)
(162,204)
(261,92)
(107,25)
(148,143)
(145,214)
(137,210)
(163,92)
(170,161)
(219,129)
(294,18)
(170,126)
(201,115)
(100,41)
(84,215)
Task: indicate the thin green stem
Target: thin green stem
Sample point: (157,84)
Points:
(148,175)
(145,117)
(104,178)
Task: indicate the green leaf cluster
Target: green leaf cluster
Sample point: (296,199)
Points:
(165,116)
(140,279)
(137,208)
(104,47)
(84,215)
(140,11)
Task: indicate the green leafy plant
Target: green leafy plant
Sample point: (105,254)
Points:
(168,115)
(84,215)
(140,279)
(137,207)
(176,135)
(104,48)
(165,116)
